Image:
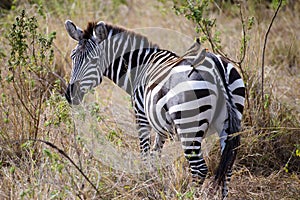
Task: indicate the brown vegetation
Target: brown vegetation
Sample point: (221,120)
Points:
(32,106)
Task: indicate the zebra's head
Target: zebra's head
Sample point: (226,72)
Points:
(86,59)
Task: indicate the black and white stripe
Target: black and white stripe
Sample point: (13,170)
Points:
(167,95)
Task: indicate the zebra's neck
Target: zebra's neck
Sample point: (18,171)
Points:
(128,55)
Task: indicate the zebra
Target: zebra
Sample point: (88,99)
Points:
(167,95)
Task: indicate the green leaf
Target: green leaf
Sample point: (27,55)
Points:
(298,152)
(12,169)
(6,120)
(250,23)
(267,101)
(47,153)
(47,123)
(26,144)
(286,168)
(9,78)
(59,167)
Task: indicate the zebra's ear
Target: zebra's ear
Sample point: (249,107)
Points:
(100,31)
(75,32)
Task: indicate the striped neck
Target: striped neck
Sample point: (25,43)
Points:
(127,55)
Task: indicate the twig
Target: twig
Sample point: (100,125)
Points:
(21,100)
(263,55)
(62,153)
(244,45)
(66,156)
(280,128)
(240,62)
(213,46)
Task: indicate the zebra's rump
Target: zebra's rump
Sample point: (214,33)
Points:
(174,98)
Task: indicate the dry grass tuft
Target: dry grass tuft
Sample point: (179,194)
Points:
(267,167)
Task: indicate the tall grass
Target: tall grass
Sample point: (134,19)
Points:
(36,66)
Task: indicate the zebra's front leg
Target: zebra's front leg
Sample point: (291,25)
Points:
(155,153)
(144,138)
(158,145)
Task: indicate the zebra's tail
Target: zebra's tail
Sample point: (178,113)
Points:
(231,144)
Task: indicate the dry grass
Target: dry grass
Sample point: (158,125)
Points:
(266,168)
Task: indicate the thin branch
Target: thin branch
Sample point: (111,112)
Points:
(263,55)
(63,55)
(240,62)
(62,153)
(213,46)
(244,39)
(21,100)
(66,156)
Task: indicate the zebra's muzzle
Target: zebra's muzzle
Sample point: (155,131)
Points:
(73,94)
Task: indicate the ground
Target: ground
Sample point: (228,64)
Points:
(100,137)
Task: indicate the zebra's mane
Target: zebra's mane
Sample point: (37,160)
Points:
(88,32)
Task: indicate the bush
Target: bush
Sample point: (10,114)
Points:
(27,87)
(271,127)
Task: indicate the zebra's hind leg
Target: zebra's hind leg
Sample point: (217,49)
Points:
(225,183)
(191,144)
